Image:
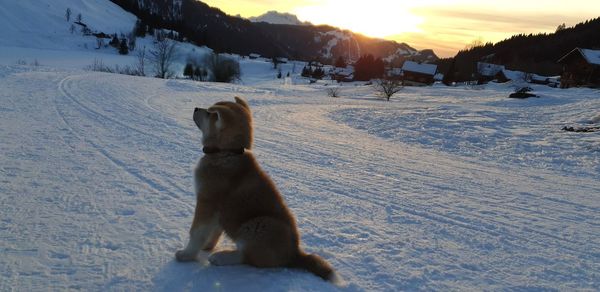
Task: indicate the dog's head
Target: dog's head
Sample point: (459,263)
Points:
(225,125)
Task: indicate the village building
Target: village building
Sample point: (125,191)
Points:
(506,75)
(552,81)
(581,67)
(342,74)
(487,72)
(418,74)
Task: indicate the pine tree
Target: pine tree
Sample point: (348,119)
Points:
(123,48)
(340,62)
(189,70)
(139,29)
(114,41)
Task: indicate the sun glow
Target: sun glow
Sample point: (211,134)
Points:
(376,18)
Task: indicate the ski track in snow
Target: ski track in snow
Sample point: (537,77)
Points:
(96,188)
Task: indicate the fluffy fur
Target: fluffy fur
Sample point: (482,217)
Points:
(235,196)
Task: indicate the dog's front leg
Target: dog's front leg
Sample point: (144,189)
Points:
(204,233)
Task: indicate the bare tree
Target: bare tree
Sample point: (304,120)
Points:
(388,87)
(140,65)
(162,57)
(478,42)
(68,14)
(99,43)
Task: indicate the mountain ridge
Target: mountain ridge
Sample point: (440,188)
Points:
(209,26)
(275,17)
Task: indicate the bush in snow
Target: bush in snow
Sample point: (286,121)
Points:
(318,73)
(195,72)
(333,91)
(306,71)
(98,66)
(223,69)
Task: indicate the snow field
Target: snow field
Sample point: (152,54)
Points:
(96,187)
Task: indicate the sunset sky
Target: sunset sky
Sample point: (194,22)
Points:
(445,26)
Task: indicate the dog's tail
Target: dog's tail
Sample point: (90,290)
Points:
(316,265)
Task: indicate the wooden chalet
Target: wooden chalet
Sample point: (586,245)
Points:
(581,68)
(418,74)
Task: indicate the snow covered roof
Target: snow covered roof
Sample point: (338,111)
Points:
(411,66)
(488,69)
(343,71)
(513,75)
(591,56)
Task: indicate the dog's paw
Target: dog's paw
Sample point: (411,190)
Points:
(183,256)
(225,258)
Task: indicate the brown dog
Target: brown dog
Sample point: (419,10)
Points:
(235,195)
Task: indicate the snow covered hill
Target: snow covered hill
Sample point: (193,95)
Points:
(275,17)
(439,189)
(43,24)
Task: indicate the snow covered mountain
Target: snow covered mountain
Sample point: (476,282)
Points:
(275,17)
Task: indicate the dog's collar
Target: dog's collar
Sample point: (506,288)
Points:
(214,150)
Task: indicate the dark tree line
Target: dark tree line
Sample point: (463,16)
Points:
(533,53)
(368,67)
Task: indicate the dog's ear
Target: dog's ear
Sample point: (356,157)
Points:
(242,102)
(223,113)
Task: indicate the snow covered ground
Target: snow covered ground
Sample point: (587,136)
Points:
(439,189)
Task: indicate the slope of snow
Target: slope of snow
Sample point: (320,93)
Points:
(426,192)
(275,17)
(42,23)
